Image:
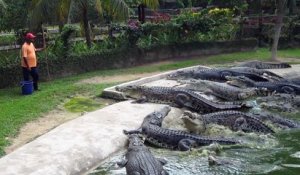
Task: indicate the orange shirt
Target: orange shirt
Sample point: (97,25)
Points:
(28,51)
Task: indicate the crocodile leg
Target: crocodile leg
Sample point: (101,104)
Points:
(162,161)
(239,124)
(225,73)
(137,131)
(143,99)
(186,144)
(182,100)
(288,90)
(122,163)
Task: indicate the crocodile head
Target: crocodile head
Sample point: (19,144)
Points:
(247,93)
(157,117)
(193,122)
(239,81)
(130,90)
(180,75)
(135,141)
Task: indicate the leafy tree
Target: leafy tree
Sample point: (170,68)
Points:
(64,10)
(2,4)
(15,15)
(2,7)
(49,11)
(153,4)
(280,10)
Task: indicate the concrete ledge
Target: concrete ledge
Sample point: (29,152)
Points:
(79,145)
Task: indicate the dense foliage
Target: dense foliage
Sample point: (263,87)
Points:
(15,15)
(207,25)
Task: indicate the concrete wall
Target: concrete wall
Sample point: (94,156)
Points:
(62,67)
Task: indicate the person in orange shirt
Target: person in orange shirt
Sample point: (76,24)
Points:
(29,60)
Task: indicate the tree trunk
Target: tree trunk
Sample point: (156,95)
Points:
(61,26)
(277,28)
(86,28)
(141,13)
(69,20)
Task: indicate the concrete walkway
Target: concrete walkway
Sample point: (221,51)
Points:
(79,145)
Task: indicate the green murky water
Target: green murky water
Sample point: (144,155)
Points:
(259,154)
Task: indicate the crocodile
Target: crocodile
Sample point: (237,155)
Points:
(264,65)
(235,120)
(281,102)
(294,80)
(261,72)
(178,97)
(222,90)
(213,74)
(139,159)
(279,87)
(280,121)
(173,139)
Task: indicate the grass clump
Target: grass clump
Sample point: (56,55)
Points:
(81,104)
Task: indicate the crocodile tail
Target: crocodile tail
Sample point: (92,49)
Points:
(264,65)
(275,65)
(260,126)
(209,140)
(227,141)
(234,105)
(266,128)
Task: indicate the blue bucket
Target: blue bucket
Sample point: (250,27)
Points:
(27,87)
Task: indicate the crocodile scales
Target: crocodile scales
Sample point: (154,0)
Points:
(235,120)
(173,139)
(214,74)
(280,87)
(178,97)
(222,90)
(139,159)
(261,72)
(278,120)
(264,65)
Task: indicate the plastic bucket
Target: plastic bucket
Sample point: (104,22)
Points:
(27,87)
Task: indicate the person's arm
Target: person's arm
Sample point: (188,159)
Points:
(24,57)
(44,44)
(26,63)
(39,49)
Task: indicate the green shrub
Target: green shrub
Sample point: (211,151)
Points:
(206,25)
(7,39)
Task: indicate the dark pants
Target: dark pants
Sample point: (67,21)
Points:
(34,74)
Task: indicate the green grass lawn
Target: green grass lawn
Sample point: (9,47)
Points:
(16,109)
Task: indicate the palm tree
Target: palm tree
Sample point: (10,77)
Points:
(49,10)
(280,9)
(63,10)
(2,4)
